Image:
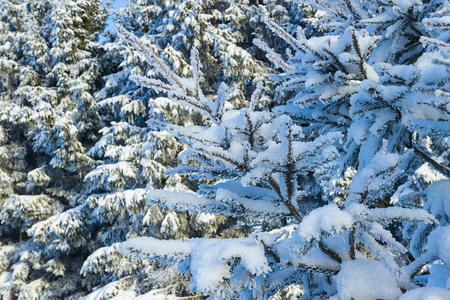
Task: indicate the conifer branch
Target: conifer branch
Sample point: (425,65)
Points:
(332,254)
(149,55)
(352,243)
(255,96)
(283,34)
(444,170)
(435,42)
(340,66)
(196,65)
(290,206)
(358,52)
(221,156)
(318,269)
(350,7)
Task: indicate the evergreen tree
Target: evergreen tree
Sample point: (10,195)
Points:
(48,119)
(340,81)
(335,247)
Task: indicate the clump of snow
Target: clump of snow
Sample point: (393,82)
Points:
(427,293)
(328,218)
(365,279)
(208,260)
(429,174)
(371,73)
(204,218)
(439,244)
(170,223)
(5,277)
(358,130)
(438,199)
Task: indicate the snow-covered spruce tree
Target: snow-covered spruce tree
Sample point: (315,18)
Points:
(394,120)
(233,158)
(222,31)
(367,230)
(48,116)
(134,150)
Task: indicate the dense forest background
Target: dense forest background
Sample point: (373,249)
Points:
(222,149)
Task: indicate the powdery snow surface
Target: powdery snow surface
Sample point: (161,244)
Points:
(155,296)
(365,279)
(129,295)
(427,293)
(209,257)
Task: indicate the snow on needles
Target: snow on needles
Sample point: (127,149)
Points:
(209,257)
